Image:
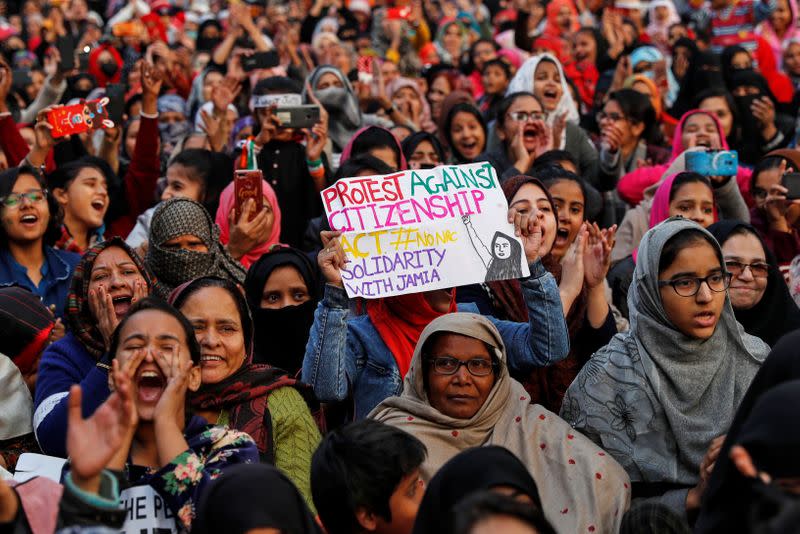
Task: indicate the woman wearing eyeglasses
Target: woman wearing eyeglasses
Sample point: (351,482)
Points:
(657,396)
(758,293)
(30,226)
(458,394)
(524,134)
(626,126)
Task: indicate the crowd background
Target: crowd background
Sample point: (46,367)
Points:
(164,340)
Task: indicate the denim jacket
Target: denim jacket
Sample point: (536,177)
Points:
(56,276)
(346,356)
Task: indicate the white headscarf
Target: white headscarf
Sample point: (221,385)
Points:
(523,81)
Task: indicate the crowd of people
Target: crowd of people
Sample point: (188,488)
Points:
(196,359)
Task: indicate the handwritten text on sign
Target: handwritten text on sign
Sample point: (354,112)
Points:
(420,230)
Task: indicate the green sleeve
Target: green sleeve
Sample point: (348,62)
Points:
(295,438)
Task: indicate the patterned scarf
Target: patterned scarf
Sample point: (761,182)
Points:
(181,216)
(67,242)
(245,395)
(79,317)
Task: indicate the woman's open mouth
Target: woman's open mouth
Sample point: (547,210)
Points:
(705,319)
(122,303)
(98,204)
(149,385)
(469,147)
(211,360)
(562,237)
(29,220)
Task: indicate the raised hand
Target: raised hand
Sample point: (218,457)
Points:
(317,136)
(597,254)
(223,94)
(246,234)
(102,307)
(212,126)
(572,269)
(269,127)
(528,227)
(331,259)
(152,79)
(170,408)
(93,442)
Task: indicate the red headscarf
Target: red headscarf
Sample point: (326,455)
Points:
(553,8)
(94,65)
(400,320)
(226,204)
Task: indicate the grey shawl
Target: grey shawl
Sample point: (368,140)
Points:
(653,397)
(341,104)
(177,217)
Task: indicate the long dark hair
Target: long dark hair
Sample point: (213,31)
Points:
(463,107)
(7,181)
(505,268)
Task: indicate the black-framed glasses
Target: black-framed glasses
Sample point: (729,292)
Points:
(12,200)
(447,365)
(525,116)
(613,117)
(688,286)
(758,269)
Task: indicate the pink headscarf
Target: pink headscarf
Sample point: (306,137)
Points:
(226,204)
(767,31)
(659,210)
(425,115)
(677,139)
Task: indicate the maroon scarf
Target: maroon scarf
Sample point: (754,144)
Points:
(245,395)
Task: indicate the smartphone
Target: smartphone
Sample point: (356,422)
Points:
(246,185)
(116,102)
(66,49)
(791,181)
(298,116)
(83,61)
(365,65)
(712,162)
(78,118)
(398,13)
(260,60)
(21,78)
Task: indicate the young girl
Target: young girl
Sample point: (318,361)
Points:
(496,75)
(167,449)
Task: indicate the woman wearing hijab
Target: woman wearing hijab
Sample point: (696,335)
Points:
(406,97)
(658,395)
(423,150)
(451,41)
(281,289)
(489,468)
(661,14)
(544,76)
(184,244)
(366,356)
(644,59)
(781,366)
(336,94)
(759,295)
(223,508)
(377,142)
(225,219)
(581,488)
(561,24)
(261,400)
(768,439)
(109,279)
(780,27)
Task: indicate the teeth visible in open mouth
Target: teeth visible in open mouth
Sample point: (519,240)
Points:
(210,358)
(149,374)
(121,299)
(29,218)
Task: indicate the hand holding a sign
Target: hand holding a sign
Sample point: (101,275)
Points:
(331,259)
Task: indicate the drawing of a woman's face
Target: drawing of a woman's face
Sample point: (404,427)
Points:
(502,248)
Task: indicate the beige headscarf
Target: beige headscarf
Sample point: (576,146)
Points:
(582,488)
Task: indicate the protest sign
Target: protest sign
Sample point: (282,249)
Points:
(146,512)
(426,229)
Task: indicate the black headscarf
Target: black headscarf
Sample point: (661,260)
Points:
(704,73)
(228,503)
(473,470)
(281,334)
(411,143)
(776,313)
(768,426)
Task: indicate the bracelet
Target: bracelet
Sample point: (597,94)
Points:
(144,115)
(103,366)
(315,163)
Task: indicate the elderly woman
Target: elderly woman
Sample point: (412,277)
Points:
(109,279)
(458,394)
(184,244)
(657,396)
(258,399)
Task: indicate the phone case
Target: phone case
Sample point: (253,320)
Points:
(78,118)
(247,184)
